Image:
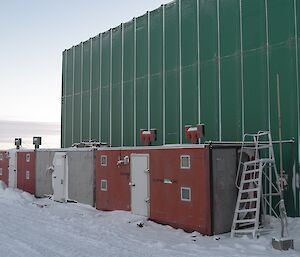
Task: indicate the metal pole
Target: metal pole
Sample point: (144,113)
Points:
(180,73)
(134,83)
(219,70)
(81,89)
(148,71)
(110,90)
(199,63)
(279,130)
(100,88)
(164,74)
(122,87)
(91,75)
(73,92)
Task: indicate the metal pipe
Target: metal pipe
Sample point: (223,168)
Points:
(199,62)
(242,68)
(110,91)
(122,87)
(134,83)
(81,89)
(73,92)
(268,62)
(100,87)
(64,97)
(180,73)
(287,141)
(164,73)
(279,130)
(219,70)
(91,75)
(148,71)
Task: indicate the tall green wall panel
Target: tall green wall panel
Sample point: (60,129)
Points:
(188,62)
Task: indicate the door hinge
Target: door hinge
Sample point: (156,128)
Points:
(147,200)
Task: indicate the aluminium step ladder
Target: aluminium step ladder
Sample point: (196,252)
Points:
(247,214)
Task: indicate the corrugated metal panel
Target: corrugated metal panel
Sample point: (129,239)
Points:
(190,61)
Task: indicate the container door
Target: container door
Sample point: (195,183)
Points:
(59,177)
(12,169)
(140,184)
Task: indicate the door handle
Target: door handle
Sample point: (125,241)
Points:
(131,184)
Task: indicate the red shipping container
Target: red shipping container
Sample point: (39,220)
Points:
(4,167)
(179,196)
(112,181)
(180,188)
(26,171)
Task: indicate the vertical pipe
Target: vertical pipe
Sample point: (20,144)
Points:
(110,91)
(164,73)
(219,71)
(64,98)
(268,61)
(268,90)
(134,83)
(297,85)
(148,75)
(91,74)
(62,119)
(100,87)
(122,86)
(81,89)
(199,62)
(180,73)
(73,92)
(242,69)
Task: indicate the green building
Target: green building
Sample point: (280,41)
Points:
(188,62)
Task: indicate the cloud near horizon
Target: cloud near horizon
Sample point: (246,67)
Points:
(9,130)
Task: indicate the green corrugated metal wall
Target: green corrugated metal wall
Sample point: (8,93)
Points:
(187,62)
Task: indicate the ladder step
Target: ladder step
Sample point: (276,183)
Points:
(247,210)
(249,190)
(248,200)
(246,221)
(251,171)
(243,231)
(258,148)
(251,180)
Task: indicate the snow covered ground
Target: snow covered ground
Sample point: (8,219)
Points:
(40,227)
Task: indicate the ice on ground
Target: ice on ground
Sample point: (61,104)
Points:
(40,227)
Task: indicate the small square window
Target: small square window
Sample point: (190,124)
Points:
(1,172)
(185,162)
(28,157)
(103,160)
(1,156)
(186,194)
(27,175)
(103,185)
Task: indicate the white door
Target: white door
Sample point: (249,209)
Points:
(60,177)
(12,169)
(140,184)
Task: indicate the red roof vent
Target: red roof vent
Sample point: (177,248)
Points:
(147,136)
(194,133)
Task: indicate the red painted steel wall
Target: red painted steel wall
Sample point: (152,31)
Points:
(117,196)
(24,166)
(166,205)
(4,167)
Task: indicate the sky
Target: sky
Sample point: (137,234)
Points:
(33,35)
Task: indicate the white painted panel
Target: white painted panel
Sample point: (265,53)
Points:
(140,184)
(60,177)
(12,170)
